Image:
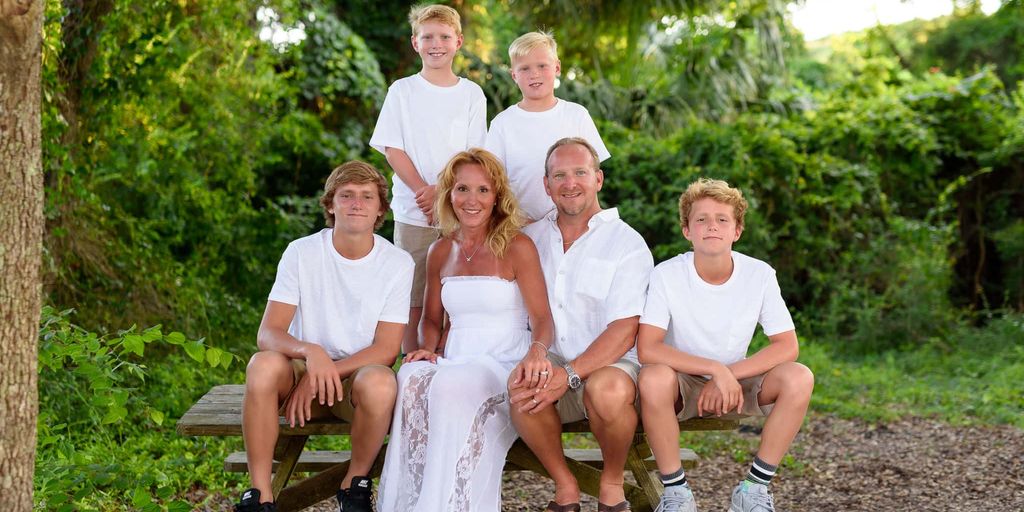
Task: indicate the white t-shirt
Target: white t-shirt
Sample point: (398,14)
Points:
(715,321)
(600,279)
(339,301)
(431,124)
(521,140)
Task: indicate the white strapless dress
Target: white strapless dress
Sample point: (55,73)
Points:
(451,429)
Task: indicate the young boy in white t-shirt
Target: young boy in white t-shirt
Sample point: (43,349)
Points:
(331,331)
(521,135)
(701,312)
(426,119)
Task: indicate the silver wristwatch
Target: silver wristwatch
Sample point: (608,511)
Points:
(574,381)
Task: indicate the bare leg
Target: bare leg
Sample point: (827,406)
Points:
(268,379)
(789,387)
(373,395)
(542,432)
(659,392)
(609,398)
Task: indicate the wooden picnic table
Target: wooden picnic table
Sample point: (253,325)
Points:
(219,413)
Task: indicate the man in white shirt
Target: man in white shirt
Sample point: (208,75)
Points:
(332,329)
(596,268)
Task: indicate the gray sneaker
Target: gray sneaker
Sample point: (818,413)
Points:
(677,498)
(751,497)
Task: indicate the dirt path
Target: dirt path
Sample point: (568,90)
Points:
(912,465)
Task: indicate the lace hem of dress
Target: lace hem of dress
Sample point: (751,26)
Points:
(470,456)
(415,422)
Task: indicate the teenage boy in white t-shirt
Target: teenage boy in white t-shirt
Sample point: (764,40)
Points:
(701,312)
(332,329)
(521,135)
(426,119)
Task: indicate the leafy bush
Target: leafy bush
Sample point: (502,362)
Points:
(101,434)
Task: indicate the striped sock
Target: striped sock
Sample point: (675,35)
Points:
(761,472)
(677,478)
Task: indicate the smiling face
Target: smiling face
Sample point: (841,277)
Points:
(473,195)
(712,227)
(356,207)
(535,74)
(436,43)
(573,180)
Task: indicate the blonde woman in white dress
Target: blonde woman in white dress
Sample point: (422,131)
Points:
(486,311)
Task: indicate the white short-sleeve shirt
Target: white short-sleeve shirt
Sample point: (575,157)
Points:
(715,321)
(601,278)
(521,139)
(339,301)
(431,124)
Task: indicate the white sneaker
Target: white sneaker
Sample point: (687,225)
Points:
(677,498)
(751,497)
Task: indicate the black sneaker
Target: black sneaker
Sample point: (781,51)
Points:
(251,503)
(357,498)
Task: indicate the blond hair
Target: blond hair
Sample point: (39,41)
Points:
(717,190)
(420,14)
(529,41)
(359,173)
(506,218)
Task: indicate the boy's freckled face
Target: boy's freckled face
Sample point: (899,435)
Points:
(535,73)
(436,43)
(711,227)
(356,207)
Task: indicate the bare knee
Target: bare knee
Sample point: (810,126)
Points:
(658,383)
(267,373)
(609,393)
(374,389)
(795,381)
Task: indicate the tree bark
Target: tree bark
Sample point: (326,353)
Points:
(21,232)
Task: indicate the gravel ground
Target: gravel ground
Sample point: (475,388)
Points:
(916,464)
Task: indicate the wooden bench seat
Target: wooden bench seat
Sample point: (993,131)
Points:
(312,461)
(219,413)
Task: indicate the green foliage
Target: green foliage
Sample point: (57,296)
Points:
(101,435)
(973,375)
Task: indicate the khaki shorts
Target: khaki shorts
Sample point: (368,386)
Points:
(689,390)
(415,240)
(570,407)
(343,409)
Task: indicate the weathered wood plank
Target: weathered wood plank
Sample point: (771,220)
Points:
(288,461)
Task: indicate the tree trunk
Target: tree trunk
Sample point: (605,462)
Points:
(21,232)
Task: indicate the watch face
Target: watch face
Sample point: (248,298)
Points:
(575,382)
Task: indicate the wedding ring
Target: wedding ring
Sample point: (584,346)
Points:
(535,400)
(545,372)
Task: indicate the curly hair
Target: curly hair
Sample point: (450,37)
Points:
(359,173)
(715,189)
(506,219)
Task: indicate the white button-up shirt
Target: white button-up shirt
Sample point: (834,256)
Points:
(601,278)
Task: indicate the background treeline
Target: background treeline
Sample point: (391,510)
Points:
(185,142)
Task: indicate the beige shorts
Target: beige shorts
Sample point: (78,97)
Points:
(415,240)
(343,409)
(570,407)
(689,390)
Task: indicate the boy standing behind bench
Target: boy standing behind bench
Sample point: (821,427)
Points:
(426,119)
(521,135)
(332,328)
(701,312)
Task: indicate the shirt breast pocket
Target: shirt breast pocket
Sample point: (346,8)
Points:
(595,278)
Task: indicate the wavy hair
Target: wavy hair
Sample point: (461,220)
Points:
(506,218)
(715,189)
